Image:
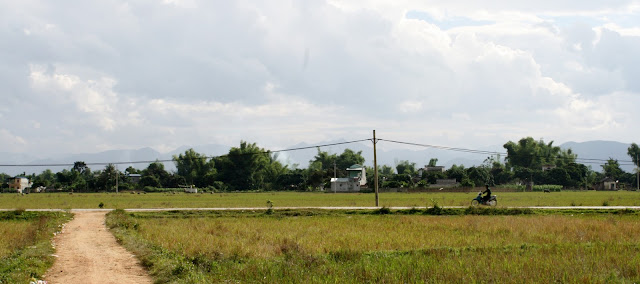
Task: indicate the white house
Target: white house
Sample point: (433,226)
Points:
(359,172)
(345,185)
(20,184)
(357,177)
(191,189)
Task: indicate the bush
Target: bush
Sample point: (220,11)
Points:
(383,211)
(550,187)
(161,189)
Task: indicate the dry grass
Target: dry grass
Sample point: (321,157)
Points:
(25,243)
(266,237)
(14,235)
(389,248)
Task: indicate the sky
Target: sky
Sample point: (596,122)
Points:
(88,76)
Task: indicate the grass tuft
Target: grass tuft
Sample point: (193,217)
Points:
(25,246)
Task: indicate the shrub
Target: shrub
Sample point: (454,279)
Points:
(383,211)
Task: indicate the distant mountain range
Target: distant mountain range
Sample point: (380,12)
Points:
(596,150)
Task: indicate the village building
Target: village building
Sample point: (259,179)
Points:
(135,178)
(356,178)
(19,184)
(607,183)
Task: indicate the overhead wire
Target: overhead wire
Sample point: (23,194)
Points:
(472,151)
(172,160)
(446,148)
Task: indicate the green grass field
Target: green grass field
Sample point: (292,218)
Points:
(25,243)
(301,199)
(338,247)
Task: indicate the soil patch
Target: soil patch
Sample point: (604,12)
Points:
(88,253)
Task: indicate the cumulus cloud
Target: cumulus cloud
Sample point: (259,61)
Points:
(163,74)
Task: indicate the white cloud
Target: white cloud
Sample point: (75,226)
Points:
(94,98)
(12,142)
(164,74)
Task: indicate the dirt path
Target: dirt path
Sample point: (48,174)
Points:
(88,253)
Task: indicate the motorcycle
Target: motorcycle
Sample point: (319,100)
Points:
(479,200)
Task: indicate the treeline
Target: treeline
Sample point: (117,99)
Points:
(249,168)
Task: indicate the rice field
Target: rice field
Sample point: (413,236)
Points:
(400,248)
(309,199)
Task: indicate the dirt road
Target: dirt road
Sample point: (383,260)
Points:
(88,253)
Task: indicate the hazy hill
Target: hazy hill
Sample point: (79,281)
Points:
(602,150)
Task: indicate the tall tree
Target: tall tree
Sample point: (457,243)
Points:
(274,175)
(155,175)
(349,158)
(612,169)
(245,167)
(532,154)
(197,169)
(324,163)
(107,178)
(405,167)
(80,167)
(634,152)
(46,178)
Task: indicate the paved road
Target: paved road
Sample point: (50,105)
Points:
(328,208)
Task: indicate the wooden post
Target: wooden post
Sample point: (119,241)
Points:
(375,166)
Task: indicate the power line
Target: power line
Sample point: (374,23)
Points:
(446,148)
(471,151)
(172,160)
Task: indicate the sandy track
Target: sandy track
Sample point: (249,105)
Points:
(88,253)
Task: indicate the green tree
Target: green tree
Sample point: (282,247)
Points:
(531,154)
(385,172)
(612,169)
(155,175)
(246,167)
(107,178)
(433,162)
(131,170)
(80,176)
(347,159)
(196,169)
(321,168)
(80,167)
(405,167)
(64,178)
(47,178)
(479,175)
(456,172)
(274,173)
(634,152)
(578,175)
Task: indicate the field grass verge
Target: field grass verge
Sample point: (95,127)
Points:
(25,245)
(310,199)
(348,247)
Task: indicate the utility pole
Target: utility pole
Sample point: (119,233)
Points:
(334,169)
(375,166)
(117,172)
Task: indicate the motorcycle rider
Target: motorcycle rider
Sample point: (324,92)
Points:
(488,192)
